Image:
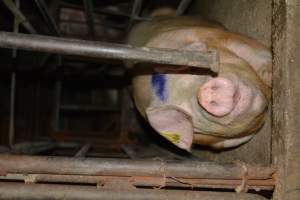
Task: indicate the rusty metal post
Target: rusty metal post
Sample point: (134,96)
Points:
(93,49)
(14,191)
(127,167)
(137,181)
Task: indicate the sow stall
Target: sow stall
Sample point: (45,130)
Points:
(46,157)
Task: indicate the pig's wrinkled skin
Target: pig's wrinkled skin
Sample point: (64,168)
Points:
(186,105)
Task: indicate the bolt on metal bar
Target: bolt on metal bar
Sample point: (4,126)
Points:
(127,167)
(56,192)
(93,49)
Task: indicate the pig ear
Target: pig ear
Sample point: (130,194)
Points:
(173,124)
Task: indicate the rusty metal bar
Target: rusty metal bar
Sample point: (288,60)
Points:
(56,192)
(107,50)
(137,181)
(127,167)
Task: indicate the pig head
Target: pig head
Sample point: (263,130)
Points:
(187,105)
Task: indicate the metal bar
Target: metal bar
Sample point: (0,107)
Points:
(16,27)
(267,184)
(19,15)
(57,106)
(12,109)
(136,9)
(127,167)
(89,15)
(11,134)
(43,8)
(124,121)
(83,150)
(184,4)
(56,192)
(107,50)
(33,147)
(105,11)
(47,16)
(87,108)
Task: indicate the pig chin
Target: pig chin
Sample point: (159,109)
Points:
(230,98)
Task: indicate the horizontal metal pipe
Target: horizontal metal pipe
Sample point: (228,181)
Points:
(108,50)
(127,167)
(14,191)
(267,184)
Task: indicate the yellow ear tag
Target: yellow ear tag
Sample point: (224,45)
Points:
(173,137)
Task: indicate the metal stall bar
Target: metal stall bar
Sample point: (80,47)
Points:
(19,15)
(41,4)
(57,192)
(184,4)
(136,9)
(89,16)
(138,181)
(107,50)
(11,133)
(124,167)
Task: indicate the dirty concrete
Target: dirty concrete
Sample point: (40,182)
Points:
(286,96)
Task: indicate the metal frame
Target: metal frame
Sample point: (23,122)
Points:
(121,178)
(57,192)
(130,175)
(208,60)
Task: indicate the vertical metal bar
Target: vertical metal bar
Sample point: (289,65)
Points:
(136,9)
(12,110)
(89,15)
(11,137)
(124,116)
(37,109)
(47,16)
(57,105)
(184,4)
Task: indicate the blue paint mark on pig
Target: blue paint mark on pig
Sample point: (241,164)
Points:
(158,82)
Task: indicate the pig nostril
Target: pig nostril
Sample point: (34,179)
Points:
(213,103)
(214,87)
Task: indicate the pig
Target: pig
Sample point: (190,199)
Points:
(195,106)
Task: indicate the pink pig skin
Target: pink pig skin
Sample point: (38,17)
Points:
(188,105)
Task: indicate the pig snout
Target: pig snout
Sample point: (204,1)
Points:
(218,96)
